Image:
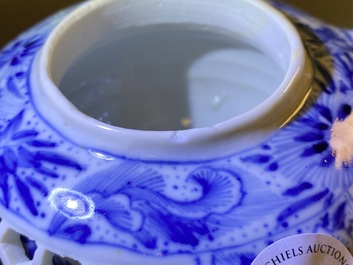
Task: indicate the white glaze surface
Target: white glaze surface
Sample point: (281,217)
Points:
(97,206)
(98,19)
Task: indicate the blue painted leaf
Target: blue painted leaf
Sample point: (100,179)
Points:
(324,111)
(32,46)
(26,158)
(325,221)
(57,159)
(301,205)
(25,134)
(33,42)
(38,185)
(13,126)
(47,172)
(41,143)
(309,137)
(339,215)
(295,191)
(4,185)
(10,160)
(315,124)
(26,196)
(258,159)
(12,87)
(315,149)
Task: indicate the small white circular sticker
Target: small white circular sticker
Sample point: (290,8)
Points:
(305,249)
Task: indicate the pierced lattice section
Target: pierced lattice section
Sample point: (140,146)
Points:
(44,257)
(17,249)
(11,248)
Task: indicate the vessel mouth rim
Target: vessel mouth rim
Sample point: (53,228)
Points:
(88,131)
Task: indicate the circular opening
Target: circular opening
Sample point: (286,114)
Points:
(170,77)
(171,67)
(147,70)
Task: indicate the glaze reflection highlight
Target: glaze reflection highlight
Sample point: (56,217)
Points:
(72,204)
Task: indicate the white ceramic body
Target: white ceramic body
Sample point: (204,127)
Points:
(215,194)
(101,19)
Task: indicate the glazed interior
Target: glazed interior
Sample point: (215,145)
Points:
(238,73)
(170,77)
(152,66)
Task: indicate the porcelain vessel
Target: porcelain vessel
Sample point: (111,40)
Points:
(76,190)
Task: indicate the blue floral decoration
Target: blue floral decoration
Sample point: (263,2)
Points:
(21,149)
(221,211)
(16,53)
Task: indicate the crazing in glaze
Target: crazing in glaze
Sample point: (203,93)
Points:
(221,211)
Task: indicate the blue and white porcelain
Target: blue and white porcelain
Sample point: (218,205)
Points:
(75,190)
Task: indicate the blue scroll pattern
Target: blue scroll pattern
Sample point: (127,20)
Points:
(221,211)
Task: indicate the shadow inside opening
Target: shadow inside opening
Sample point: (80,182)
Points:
(170,77)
